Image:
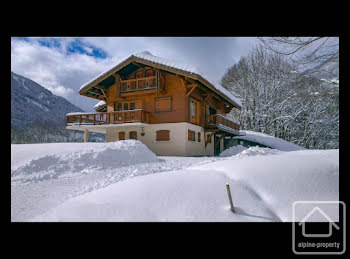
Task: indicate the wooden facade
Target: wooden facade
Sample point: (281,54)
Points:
(145,92)
(181,101)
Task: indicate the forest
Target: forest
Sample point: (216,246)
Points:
(295,98)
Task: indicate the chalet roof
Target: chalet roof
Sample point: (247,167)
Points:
(188,71)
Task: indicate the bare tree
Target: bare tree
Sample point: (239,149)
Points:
(311,54)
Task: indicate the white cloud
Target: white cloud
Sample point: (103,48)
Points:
(54,68)
(63,72)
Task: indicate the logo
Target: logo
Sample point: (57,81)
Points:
(318,227)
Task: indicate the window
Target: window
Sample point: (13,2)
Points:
(149,73)
(191,135)
(126,106)
(139,75)
(163,135)
(163,104)
(132,106)
(133,135)
(199,137)
(193,109)
(121,135)
(119,107)
(209,138)
(212,111)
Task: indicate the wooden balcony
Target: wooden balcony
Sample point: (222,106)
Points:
(218,120)
(139,84)
(101,118)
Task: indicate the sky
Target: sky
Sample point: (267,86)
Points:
(63,64)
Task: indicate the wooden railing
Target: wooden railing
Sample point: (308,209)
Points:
(130,116)
(218,119)
(138,84)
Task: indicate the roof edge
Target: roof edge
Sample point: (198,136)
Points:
(85,87)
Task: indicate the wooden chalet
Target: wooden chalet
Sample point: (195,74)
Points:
(170,108)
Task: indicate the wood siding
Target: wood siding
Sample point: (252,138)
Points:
(147,100)
(170,101)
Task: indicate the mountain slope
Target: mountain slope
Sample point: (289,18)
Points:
(30,102)
(37,115)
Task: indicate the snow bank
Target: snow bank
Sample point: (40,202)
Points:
(279,180)
(232,151)
(259,151)
(263,189)
(251,151)
(90,158)
(269,141)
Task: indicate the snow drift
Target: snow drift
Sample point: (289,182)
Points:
(251,151)
(232,151)
(263,189)
(89,158)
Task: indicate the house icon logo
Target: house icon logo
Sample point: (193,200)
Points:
(331,224)
(318,227)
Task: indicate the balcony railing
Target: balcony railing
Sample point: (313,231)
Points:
(100,118)
(217,119)
(139,84)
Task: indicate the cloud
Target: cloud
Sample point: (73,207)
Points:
(62,65)
(54,67)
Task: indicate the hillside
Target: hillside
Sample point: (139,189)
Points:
(37,115)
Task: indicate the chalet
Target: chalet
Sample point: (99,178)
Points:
(171,108)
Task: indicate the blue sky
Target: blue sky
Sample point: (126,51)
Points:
(63,64)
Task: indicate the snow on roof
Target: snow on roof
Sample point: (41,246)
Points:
(269,141)
(145,55)
(99,104)
(148,56)
(190,69)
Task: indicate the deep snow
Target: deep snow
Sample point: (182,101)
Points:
(101,157)
(35,191)
(263,189)
(264,184)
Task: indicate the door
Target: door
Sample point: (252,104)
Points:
(216,145)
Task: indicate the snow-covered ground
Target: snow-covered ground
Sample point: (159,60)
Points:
(75,182)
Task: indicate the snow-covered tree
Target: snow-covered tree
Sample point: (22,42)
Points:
(279,100)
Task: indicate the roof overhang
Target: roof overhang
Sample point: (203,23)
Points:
(84,89)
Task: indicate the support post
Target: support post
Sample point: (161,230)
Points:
(230,197)
(86,135)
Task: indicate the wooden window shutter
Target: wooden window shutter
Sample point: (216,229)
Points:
(189,135)
(163,104)
(163,135)
(122,135)
(199,137)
